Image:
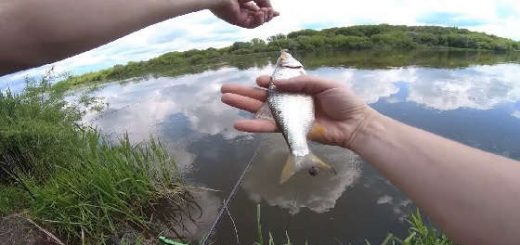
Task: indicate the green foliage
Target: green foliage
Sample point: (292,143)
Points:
(260,235)
(419,233)
(37,132)
(104,187)
(73,181)
(362,37)
(12,199)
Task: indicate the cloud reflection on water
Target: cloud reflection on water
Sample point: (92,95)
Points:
(185,109)
(477,87)
(140,107)
(516,114)
(318,193)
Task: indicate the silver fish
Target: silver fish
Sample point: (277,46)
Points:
(294,115)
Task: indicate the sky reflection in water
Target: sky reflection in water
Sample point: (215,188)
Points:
(477,105)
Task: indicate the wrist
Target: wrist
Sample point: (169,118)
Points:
(213,4)
(370,123)
(174,8)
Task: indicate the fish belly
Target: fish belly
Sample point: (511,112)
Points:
(294,114)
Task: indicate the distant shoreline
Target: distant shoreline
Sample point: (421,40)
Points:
(365,38)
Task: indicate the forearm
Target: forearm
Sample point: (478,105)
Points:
(36,32)
(472,195)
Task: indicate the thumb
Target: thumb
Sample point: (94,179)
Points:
(305,84)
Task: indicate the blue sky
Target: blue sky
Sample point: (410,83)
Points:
(202,29)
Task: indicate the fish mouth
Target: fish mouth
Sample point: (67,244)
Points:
(287,61)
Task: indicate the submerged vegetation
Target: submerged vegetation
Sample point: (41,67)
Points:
(380,38)
(75,183)
(419,233)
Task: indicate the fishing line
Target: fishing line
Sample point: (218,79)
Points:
(230,197)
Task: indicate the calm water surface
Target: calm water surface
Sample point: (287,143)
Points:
(478,105)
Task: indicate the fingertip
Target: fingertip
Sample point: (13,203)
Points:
(224,88)
(225,97)
(242,125)
(263,81)
(239,125)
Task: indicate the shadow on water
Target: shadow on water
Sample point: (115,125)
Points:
(473,98)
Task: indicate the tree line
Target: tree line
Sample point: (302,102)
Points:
(361,37)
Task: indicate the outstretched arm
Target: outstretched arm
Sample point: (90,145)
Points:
(471,194)
(474,196)
(36,32)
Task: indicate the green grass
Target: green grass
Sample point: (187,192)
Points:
(73,181)
(260,236)
(419,233)
(12,199)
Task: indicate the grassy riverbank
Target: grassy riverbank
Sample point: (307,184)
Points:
(379,38)
(74,183)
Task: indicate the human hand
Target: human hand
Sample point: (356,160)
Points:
(245,13)
(339,112)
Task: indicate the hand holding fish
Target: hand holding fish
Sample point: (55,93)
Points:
(469,193)
(245,13)
(339,112)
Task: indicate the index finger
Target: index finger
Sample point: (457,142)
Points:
(263,81)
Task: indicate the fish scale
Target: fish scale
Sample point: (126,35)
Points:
(295,114)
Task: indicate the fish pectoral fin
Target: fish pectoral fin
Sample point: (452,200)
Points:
(316,161)
(289,169)
(264,113)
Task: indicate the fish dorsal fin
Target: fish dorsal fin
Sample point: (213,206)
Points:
(264,113)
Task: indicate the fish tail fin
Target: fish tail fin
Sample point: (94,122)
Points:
(290,168)
(295,164)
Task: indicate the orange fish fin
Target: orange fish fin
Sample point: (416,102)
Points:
(317,131)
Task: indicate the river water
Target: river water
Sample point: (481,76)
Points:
(467,97)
